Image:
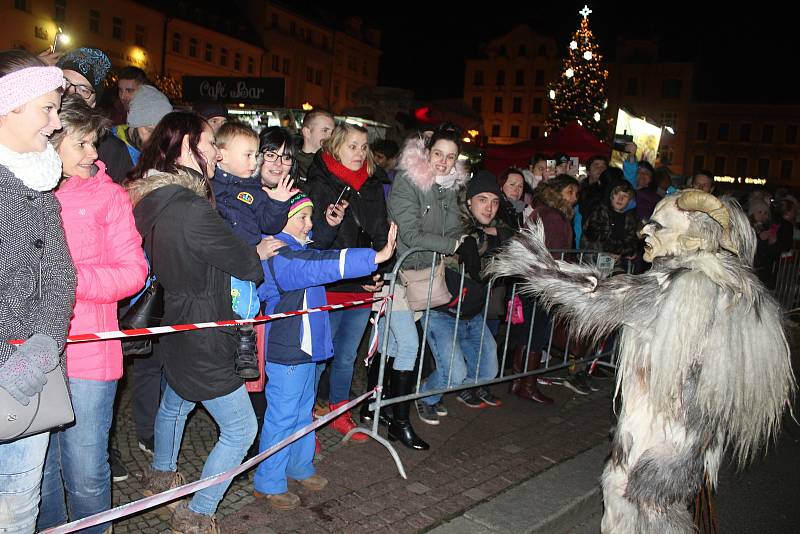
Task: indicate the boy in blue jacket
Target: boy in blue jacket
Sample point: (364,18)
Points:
(251,211)
(294,280)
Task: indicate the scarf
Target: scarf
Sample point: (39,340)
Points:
(354,179)
(40,171)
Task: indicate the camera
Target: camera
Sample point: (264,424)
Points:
(620,140)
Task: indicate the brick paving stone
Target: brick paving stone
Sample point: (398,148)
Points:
(457,472)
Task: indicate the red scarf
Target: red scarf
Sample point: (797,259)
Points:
(354,179)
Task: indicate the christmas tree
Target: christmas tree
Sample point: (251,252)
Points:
(579,93)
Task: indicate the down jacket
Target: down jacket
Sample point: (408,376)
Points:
(107,251)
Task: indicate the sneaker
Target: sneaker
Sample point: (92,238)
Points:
(441,409)
(470,398)
(147,445)
(574,384)
(344,424)
(487,397)
(118,471)
(245,360)
(583,378)
(186,521)
(426,412)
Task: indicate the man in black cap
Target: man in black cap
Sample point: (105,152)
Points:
(85,69)
(215,113)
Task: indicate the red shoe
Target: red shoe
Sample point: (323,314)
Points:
(317,446)
(344,423)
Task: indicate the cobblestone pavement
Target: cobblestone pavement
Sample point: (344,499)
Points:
(475,455)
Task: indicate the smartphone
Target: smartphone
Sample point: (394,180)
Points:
(551,165)
(344,195)
(574,166)
(57,41)
(620,140)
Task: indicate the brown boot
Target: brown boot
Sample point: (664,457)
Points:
(279,501)
(314,483)
(184,521)
(155,481)
(519,360)
(528,387)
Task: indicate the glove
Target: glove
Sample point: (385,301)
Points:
(468,255)
(23,374)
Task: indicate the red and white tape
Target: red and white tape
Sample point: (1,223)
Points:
(122,334)
(181,491)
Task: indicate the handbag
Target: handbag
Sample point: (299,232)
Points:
(49,409)
(416,282)
(515,314)
(147,311)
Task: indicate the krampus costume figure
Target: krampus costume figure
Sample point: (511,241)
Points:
(703,360)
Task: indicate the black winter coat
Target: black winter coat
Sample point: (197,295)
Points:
(365,223)
(194,253)
(599,235)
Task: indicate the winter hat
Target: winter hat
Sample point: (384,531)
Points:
(23,85)
(299,201)
(148,107)
(92,63)
(482,182)
(209,110)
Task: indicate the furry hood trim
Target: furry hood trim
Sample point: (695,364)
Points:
(414,162)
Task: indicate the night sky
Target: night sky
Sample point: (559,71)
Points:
(742,54)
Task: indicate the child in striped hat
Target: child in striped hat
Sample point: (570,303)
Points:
(294,279)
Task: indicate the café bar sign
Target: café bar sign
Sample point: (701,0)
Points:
(259,91)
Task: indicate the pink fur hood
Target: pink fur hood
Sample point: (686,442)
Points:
(414,162)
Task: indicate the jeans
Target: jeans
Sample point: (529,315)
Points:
(78,455)
(237,430)
(21,464)
(467,352)
(403,343)
(347,329)
(290,397)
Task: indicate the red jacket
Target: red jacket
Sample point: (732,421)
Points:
(557,229)
(107,251)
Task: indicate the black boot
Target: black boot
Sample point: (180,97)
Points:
(245,360)
(372,381)
(402,383)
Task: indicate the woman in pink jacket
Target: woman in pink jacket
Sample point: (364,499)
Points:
(107,252)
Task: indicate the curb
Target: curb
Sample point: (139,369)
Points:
(554,501)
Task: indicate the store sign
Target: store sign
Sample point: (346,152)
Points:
(260,91)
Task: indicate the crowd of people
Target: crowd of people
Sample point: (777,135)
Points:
(230,223)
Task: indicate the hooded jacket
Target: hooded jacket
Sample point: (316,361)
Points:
(248,209)
(194,253)
(107,251)
(293,280)
(426,213)
(364,225)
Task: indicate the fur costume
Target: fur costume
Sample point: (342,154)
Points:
(703,360)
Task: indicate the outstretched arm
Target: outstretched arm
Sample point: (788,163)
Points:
(593,305)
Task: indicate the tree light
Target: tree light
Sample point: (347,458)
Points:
(587,55)
(569,73)
(596,116)
(552,94)
(573,45)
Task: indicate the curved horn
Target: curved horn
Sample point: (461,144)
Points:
(707,203)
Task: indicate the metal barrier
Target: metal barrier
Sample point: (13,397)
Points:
(550,365)
(787,289)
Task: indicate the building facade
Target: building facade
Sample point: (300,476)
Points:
(508,88)
(323,63)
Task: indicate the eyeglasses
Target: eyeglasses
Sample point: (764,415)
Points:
(84,90)
(286,159)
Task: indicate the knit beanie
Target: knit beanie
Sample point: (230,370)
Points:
(299,201)
(482,182)
(148,107)
(92,63)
